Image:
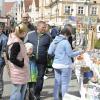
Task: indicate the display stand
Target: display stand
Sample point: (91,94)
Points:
(86,92)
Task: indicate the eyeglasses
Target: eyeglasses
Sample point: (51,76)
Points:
(25,17)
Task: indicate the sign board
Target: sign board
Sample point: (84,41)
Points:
(90,20)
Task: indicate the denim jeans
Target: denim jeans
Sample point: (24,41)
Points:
(40,79)
(2,64)
(62,79)
(18,92)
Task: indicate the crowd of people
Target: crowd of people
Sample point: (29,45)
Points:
(29,48)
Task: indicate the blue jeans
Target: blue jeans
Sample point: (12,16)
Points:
(40,79)
(62,79)
(2,64)
(18,92)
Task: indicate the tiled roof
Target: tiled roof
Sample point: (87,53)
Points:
(8,6)
(37,3)
(27,4)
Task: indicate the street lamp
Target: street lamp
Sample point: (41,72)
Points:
(57,13)
(57,10)
(88,15)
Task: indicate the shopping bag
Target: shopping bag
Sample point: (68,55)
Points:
(33,71)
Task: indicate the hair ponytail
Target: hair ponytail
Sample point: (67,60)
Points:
(20,28)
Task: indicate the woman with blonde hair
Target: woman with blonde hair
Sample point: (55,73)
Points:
(18,62)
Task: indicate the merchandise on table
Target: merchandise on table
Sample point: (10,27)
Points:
(87,68)
(93,92)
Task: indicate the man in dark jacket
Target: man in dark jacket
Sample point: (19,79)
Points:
(26,20)
(54,32)
(3,43)
(40,41)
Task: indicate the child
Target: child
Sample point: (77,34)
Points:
(33,70)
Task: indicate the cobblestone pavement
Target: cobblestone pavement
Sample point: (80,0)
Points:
(47,93)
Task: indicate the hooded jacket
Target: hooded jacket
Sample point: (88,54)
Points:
(62,51)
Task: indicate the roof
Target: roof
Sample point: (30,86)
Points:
(27,4)
(8,6)
(37,3)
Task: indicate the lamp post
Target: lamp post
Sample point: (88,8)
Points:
(88,15)
(57,13)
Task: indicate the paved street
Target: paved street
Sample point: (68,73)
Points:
(47,93)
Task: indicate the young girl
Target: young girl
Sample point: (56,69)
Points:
(33,70)
(61,49)
(18,62)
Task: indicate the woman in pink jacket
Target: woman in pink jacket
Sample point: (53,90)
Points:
(18,62)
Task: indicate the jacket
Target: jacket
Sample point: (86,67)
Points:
(18,75)
(62,51)
(3,43)
(40,43)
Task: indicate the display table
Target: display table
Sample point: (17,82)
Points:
(89,90)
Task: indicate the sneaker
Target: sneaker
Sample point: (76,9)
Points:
(45,77)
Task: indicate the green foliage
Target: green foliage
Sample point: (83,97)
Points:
(97,44)
(74,30)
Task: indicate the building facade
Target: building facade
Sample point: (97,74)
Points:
(62,11)
(59,12)
(1,7)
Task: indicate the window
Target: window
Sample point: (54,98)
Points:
(47,2)
(94,11)
(68,10)
(80,10)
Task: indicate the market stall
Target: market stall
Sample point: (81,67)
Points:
(87,69)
